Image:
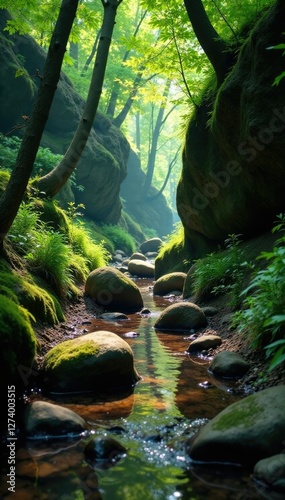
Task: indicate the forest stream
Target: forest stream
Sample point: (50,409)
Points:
(174,398)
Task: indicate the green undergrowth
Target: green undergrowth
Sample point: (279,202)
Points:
(17,341)
(172,255)
(262,317)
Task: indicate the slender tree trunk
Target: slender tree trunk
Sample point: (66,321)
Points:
(13,195)
(128,104)
(117,85)
(169,170)
(51,183)
(214,46)
(93,51)
(138,135)
(154,141)
(73,52)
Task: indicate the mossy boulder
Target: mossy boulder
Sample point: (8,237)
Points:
(46,420)
(234,149)
(143,269)
(110,288)
(93,362)
(245,432)
(181,317)
(229,364)
(168,283)
(17,342)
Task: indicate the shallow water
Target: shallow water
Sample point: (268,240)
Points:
(168,405)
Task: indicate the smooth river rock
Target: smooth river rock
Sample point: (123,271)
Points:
(181,316)
(168,283)
(204,342)
(42,419)
(143,269)
(245,432)
(229,364)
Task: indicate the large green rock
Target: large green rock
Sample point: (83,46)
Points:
(110,288)
(245,432)
(93,362)
(234,156)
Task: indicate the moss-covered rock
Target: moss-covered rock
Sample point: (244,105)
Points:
(245,432)
(17,342)
(168,283)
(181,317)
(43,305)
(111,289)
(92,362)
(233,164)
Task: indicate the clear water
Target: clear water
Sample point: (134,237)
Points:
(153,421)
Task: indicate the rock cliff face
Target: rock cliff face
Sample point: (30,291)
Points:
(233,177)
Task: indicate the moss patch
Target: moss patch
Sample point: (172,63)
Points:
(245,416)
(70,352)
(17,339)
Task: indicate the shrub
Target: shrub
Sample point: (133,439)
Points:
(50,259)
(221,272)
(262,318)
(94,253)
(120,238)
(17,340)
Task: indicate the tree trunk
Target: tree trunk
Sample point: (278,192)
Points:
(51,183)
(94,48)
(13,195)
(154,141)
(214,46)
(73,52)
(128,104)
(116,86)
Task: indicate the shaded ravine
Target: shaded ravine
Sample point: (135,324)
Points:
(167,406)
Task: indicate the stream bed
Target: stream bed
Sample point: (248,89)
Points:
(174,398)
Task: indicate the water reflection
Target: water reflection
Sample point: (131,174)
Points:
(152,421)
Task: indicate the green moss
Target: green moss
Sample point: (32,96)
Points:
(53,215)
(38,301)
(68,354)
(4,178)
(245,415)
(17,340)
(173,255)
